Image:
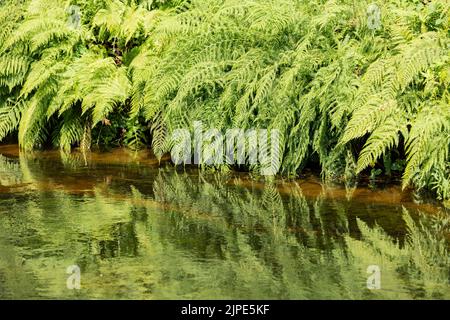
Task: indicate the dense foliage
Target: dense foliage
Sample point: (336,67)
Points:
(346,96)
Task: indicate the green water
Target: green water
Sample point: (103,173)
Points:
(142,231)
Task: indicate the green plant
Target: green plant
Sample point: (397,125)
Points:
(72,76)
(135,135)
(316,71)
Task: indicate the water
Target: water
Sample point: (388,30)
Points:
(141,230)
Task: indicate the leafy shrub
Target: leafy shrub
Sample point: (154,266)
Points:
(335,88)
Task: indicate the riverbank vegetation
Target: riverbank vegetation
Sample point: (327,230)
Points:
(351,91)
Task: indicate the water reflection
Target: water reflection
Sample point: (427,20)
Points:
(148,233)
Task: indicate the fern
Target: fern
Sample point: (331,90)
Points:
(10,115)
(313,71)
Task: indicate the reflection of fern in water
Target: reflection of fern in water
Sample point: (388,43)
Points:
(406,273)
(198,237)
(10,173)
(420,267)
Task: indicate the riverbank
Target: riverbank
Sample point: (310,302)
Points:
(312,186)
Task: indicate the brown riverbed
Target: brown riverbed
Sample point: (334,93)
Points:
(311,185)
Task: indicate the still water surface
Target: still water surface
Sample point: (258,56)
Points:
(141,230)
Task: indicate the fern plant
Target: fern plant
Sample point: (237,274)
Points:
(74,77)
(317,73)
(338,90)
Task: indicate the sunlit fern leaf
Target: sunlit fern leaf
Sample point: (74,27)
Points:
(385,137)
(32,132)
(71,131)
(159,136)
(10,115)
(13,69)
(417,56)
(428,142)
